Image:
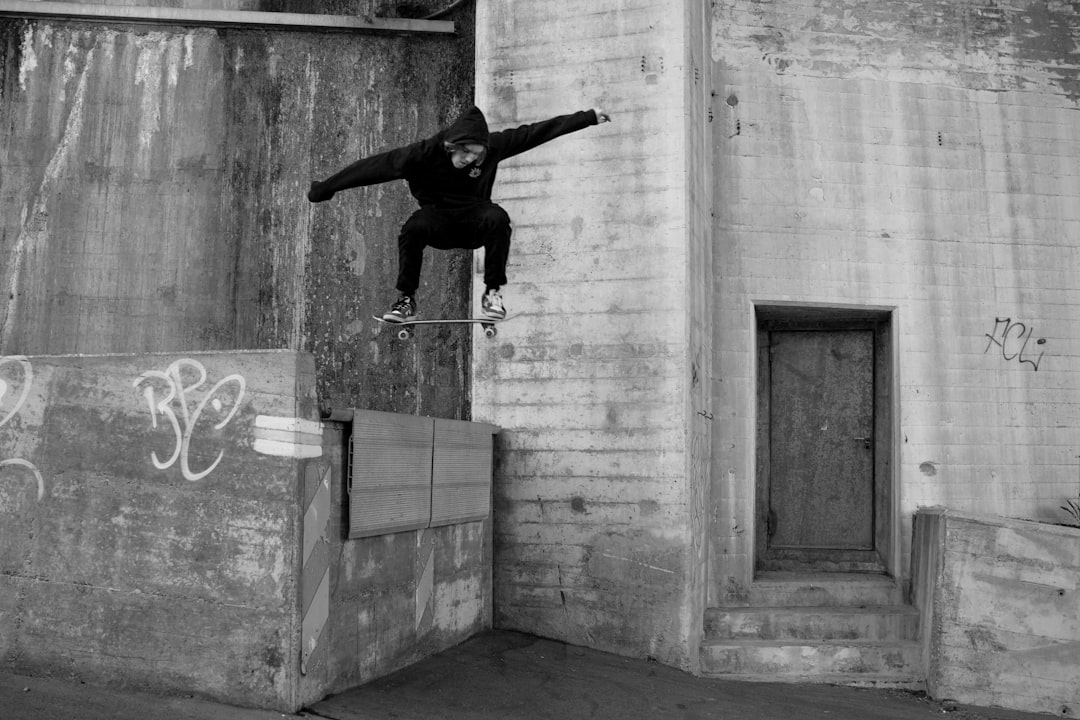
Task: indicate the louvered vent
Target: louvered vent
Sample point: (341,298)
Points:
(408,472)
(461,474)
(391,473)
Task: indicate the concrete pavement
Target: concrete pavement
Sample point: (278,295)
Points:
(502,675)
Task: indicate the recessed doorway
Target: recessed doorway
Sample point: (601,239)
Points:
(825,499)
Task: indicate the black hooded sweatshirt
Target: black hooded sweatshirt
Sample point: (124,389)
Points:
(432,177)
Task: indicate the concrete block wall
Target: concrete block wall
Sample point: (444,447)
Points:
(920,159)
(599,481)
(150,511)
(393,599)
(1004,624)
(153,196)
(179,523)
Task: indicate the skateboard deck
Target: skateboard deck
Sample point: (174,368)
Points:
(405,330)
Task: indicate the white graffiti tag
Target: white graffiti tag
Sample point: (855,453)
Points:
(32,468)
(8,412)
(27,379)
(183,426)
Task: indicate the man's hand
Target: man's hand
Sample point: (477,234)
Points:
(601,116)
(318,193)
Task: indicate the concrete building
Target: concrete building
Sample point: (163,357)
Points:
(818,273)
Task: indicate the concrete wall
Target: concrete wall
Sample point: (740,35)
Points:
(600,477)
(920,158)
(147,539)
(181,532)
(393,599)
(153,195)
(1005,627)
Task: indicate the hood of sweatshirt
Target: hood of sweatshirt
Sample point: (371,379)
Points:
(471,127)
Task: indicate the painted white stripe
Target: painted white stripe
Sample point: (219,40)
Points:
(317,516)
(286,449)
(276,422)
(288,436)
(425,586)
(313,622)
(316,523)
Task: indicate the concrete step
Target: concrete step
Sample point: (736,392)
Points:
(790,589)
(829,622)
(852,662)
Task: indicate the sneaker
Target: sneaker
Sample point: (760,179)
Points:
(404,309)
(491,305)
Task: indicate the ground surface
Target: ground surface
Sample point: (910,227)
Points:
(505,675)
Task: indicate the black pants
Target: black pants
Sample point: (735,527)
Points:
(486,226)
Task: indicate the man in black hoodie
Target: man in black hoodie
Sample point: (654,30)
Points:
(451,175)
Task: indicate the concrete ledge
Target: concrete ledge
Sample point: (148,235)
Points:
(176,523)
(1000,595)
(244,18)
(144,536)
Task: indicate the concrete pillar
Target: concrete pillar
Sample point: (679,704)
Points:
(601,376)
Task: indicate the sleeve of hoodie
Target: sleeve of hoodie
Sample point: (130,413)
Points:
(507,143)
(386,166)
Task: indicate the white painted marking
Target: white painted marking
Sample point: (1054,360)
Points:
(28,379)
(288,436)
(33,468)
(275,422)
(286,449)
(425,586)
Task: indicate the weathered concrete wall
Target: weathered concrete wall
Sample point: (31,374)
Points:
(1006,624)
(152,181)
(146,538)
(394,599)
(923,158)
(167,529)
(601,459)
(699,287)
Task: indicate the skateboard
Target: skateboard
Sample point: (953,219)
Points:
(405,328)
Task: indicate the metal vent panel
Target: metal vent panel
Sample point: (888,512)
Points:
(461,474)
(391,457)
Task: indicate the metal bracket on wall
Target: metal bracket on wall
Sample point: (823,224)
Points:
(98,12)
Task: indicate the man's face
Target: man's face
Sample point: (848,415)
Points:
(465,155)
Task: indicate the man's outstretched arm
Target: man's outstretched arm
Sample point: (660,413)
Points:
(526,137)
(384,167)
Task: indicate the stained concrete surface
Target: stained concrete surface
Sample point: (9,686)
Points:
(500,675)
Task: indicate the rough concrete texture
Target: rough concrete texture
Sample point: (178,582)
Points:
(179,523)
(1006,624)
(919,158)
(394,599)
(150,519)
(599,533)
(153,194)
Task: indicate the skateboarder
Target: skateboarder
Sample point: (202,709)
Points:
(451,175)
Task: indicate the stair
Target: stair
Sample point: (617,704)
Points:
(838,628)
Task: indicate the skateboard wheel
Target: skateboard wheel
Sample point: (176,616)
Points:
(404,334)
(490,331)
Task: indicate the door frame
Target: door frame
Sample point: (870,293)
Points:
(882,321)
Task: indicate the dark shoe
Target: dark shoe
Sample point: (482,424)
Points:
(404,309)
(491,305)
